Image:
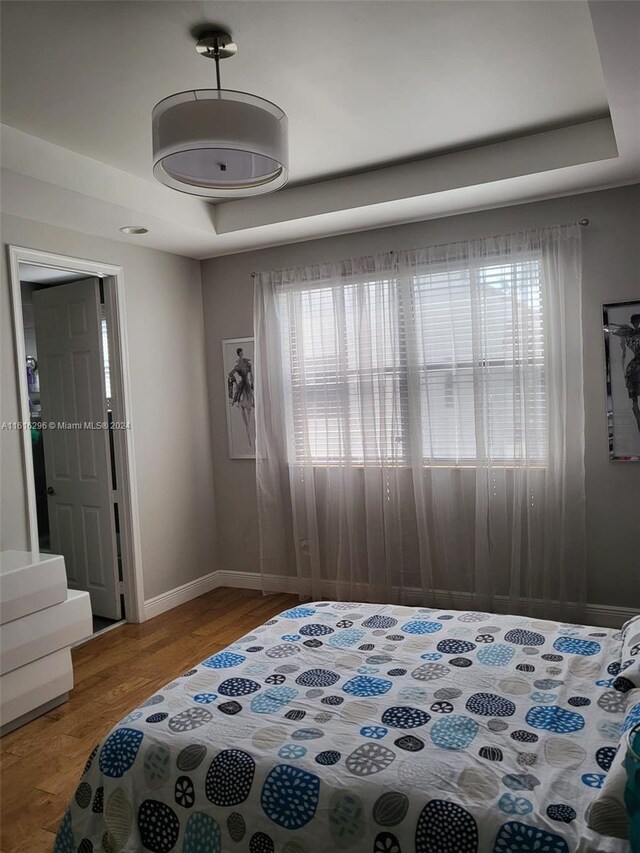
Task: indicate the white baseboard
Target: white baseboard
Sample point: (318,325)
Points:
(607,616)
(181,594)
(253,580)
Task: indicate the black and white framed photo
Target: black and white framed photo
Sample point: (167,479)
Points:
(621,322)
(239,387)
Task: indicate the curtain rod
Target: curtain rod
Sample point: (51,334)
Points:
(582,222)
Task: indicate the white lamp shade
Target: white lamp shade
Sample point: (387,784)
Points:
(218,143)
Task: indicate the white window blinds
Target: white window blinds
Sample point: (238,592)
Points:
(426,365)
(480,350)
(348,372)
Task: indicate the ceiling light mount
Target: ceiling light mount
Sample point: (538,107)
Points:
(216,40)
(216,45)
(219,143)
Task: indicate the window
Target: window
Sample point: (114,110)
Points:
(430,366)
(105,356)
(480,348)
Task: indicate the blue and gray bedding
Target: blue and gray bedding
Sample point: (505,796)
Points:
(368,729)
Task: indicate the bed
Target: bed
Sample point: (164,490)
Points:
(360,727)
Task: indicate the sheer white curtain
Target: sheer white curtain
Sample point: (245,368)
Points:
(420,426)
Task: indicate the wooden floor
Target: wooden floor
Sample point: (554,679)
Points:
(42,761)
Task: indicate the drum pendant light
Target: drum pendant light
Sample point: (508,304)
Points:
(217,143)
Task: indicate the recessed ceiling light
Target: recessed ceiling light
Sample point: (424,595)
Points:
(134,229)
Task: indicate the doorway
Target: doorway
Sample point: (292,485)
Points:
(77,441)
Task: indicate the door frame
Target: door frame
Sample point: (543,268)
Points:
(128,512)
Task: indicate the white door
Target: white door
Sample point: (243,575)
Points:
(77,460)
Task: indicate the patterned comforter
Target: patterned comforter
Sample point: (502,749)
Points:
(370,729)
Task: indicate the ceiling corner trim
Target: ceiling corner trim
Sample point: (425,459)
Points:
(48,163)
(587,142)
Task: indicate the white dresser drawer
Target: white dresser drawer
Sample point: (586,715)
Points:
(30,687)
(29,583)
(38,634)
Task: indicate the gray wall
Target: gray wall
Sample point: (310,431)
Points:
(611,272)
(169,403)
